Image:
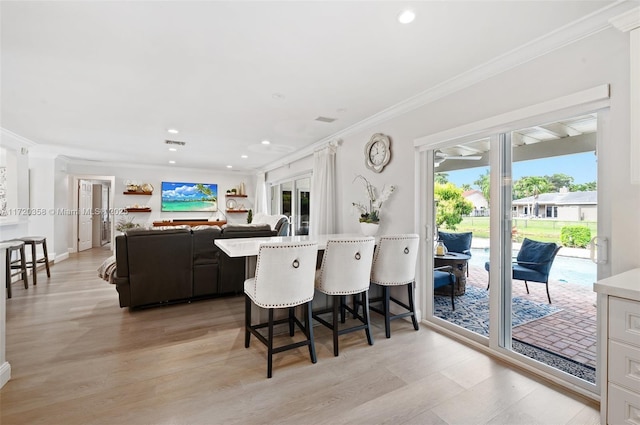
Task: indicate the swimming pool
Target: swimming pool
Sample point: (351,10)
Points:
(565,269)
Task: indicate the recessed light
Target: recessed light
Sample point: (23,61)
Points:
(244,156)
(278,96)
(172,162)
(173,149)
(229,166)
(406,16)
(173,131)
(265,142)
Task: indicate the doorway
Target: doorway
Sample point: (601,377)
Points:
(537,183)
(93,202)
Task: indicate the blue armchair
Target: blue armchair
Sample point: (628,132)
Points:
(457,242)
(533,263)
(443,276)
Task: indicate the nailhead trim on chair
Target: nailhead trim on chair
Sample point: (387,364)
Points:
(351,242)
(375,257)
(296,303)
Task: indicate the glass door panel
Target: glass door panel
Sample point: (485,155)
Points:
(554,201)
(462,216)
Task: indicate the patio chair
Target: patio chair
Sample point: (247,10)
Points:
(533,263)
(457,242)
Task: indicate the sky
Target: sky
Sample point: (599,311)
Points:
(581,166)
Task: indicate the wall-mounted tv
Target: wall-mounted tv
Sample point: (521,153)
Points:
(179,196)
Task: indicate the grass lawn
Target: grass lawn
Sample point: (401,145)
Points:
(544,230)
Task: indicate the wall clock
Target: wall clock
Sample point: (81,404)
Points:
(377,152)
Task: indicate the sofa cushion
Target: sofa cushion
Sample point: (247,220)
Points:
(246,230)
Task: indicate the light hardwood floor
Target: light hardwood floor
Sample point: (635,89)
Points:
(78,358)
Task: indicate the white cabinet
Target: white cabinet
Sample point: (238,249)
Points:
(619,305)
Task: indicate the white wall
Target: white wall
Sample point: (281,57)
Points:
(155,176)
(600,59)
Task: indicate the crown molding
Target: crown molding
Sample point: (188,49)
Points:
(14,141)
(627,21)
(589,25)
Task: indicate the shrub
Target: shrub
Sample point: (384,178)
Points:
(575,236)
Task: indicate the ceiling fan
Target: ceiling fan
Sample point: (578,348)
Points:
(441,157)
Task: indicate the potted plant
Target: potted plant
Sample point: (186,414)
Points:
(370,211)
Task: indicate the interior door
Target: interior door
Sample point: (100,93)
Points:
(85,216)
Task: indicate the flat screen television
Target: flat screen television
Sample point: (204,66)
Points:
(180,196)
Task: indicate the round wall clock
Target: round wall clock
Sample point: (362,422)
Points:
(377,152)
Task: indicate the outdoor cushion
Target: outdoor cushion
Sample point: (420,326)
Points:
(456,242)
(536,252)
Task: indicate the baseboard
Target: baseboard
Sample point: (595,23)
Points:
(61,257)
(5,373)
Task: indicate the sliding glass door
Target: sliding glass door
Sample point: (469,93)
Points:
(291,198)
(513,214)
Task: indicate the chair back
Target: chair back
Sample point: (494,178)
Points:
(346,266)
(536,255)
(456,242)
(285,273)
(394,262)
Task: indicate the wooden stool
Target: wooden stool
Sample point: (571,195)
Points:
(19,264)
(33,241)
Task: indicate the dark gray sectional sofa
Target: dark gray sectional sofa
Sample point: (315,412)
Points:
(179,264)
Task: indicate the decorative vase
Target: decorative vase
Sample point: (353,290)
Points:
(369,229)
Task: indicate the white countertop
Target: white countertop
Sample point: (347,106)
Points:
(246,247)
(623,285)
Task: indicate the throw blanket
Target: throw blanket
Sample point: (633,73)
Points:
(106,269)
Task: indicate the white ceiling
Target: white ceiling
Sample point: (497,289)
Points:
(105,80)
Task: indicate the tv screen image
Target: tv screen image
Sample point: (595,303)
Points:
(180,196)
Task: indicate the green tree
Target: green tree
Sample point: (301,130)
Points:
(466,187)
(531,186)
(583,187)
(483,183)
(441,178)
(558,181)
(451,206)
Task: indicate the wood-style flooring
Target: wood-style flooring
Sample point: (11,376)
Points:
(78,358)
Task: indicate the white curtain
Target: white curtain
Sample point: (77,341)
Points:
(323,192)
(260,205)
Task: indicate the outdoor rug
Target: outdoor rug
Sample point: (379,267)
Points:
(472,310)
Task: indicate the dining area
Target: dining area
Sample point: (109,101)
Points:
(298,281)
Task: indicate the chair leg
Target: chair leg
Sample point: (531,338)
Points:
(548,296)
(247,321)
(526,286)
(365,316)
(270,346)
(23,265)
(343,301)
(336,308)
(46,257)
(385,308)
(291,316)
(412,306)
(8,273)
(34,264)
(453,298)
(309,333)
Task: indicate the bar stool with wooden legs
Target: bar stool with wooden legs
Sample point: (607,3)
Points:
(394,264)
(33,264)
(15,267)
(283,280)
(345,270)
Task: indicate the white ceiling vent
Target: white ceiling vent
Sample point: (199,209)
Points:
(325,119)
(175,142)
